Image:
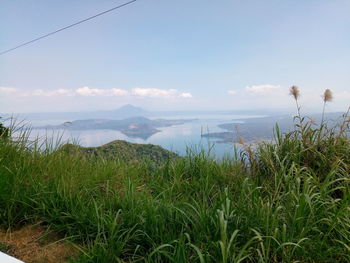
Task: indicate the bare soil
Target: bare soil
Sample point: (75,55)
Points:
(35,244)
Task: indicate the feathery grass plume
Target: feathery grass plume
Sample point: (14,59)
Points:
(295,92)
(327,97)
(241,140)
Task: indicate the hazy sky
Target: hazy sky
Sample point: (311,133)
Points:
(174,54)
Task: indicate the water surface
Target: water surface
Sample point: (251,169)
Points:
(177,138)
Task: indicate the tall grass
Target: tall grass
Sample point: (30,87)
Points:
(289,203)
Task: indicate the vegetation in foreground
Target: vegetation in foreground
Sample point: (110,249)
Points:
(283,202)
(122,150)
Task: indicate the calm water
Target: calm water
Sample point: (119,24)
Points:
(177,138)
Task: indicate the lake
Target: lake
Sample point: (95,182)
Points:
(177,138)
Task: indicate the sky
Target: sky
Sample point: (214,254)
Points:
(174,55)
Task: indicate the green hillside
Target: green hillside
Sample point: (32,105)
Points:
(286,201)
(122,150)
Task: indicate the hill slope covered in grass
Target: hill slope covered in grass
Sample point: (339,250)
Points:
(287,201)
(122,150)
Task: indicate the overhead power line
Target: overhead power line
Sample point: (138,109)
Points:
(66,27)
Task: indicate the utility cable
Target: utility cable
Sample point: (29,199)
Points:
(66,27)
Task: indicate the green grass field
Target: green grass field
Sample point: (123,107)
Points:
(287,201)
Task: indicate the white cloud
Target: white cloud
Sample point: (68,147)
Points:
(119,92)
(86,91)
(154,93)
(186,95)
(262,89)
(93,92)
(342,95)
(159,93)
(232,92)
(7,90)
(49,93)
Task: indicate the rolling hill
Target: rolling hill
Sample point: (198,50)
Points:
(122,150)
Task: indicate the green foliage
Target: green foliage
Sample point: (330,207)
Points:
(316,149)
(4,248)
(287,201)
(4,132)
(122,150)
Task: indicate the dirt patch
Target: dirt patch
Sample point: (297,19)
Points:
(35,244)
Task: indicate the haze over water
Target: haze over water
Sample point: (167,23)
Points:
(177,138)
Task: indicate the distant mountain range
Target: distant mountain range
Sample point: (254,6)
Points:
(256,129)
(139,127)
(130,110)
(123,112)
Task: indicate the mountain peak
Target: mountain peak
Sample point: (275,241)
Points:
(130,108)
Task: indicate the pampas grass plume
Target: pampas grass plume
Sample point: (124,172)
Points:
(327,95)
(295,92)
